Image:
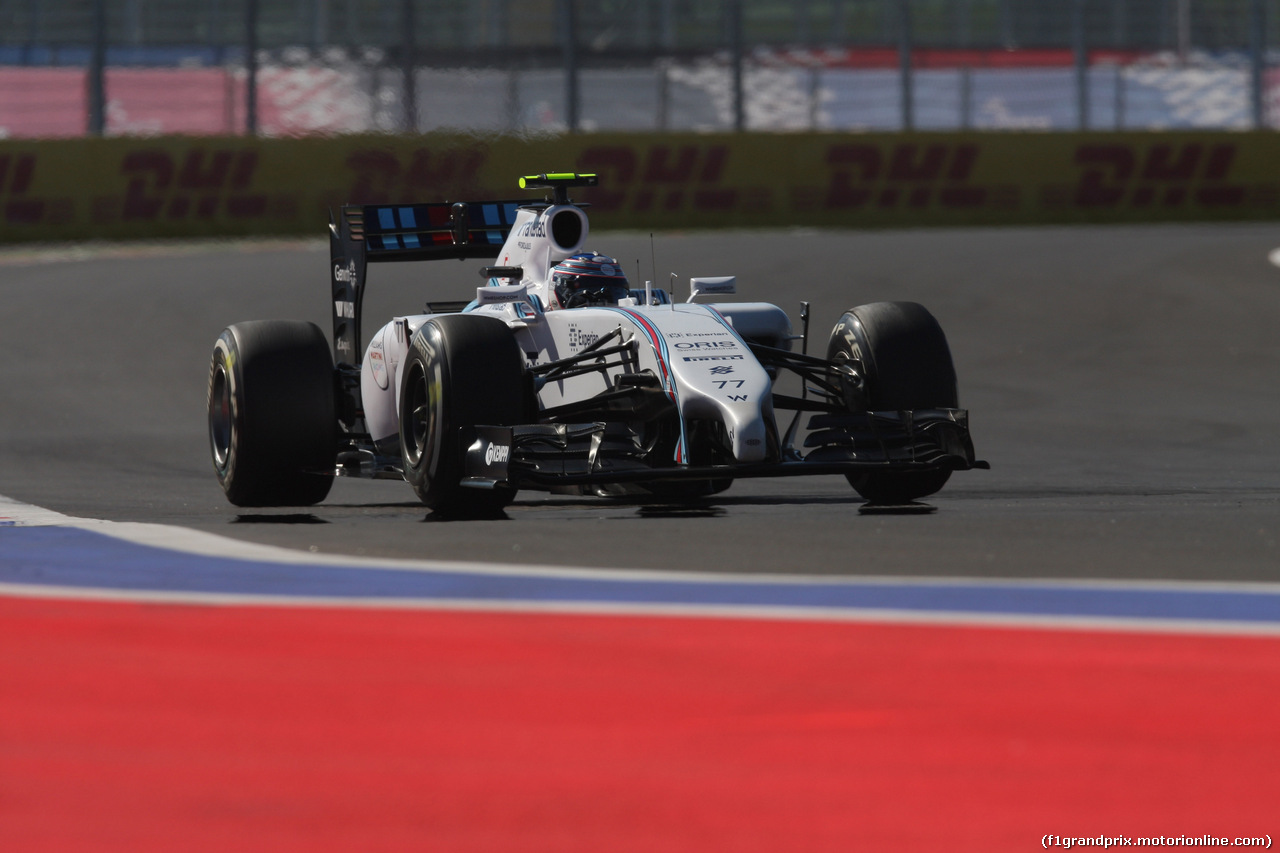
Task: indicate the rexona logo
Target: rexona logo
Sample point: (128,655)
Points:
(496,453)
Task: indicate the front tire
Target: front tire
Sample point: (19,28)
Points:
(461,371)
(906,365)
(272,422)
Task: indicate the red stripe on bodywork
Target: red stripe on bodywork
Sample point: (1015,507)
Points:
(668,381)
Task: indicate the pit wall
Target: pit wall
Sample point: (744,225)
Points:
(145,188)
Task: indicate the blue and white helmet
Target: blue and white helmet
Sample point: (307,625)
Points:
(589,279)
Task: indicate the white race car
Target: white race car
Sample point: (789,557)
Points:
(561,376)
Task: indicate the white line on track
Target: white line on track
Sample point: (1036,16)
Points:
(182,540)
(188,541)
(698,611)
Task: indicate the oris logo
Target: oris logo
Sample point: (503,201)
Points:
(496,453)
(706,345)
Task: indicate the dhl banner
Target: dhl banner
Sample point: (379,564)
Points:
(143,188)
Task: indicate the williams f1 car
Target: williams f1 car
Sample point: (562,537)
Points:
(560,376)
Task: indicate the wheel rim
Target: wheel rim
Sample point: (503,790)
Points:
(220,418)
(418,414)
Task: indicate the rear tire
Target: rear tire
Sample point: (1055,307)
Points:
(906,366)
(461,371)
(272,422)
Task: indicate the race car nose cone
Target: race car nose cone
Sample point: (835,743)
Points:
(748,435)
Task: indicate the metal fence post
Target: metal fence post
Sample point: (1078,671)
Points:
(1257,62)
(904,64)
(1081,52)
(408,63)
(97,124)
(251,68)
(736,50)
(664,94)
(815,96)
(569,20)
(804,23)
(512,110)
(1183,13)
(1119,103)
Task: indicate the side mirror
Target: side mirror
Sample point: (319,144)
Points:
(717,285)
(503,293)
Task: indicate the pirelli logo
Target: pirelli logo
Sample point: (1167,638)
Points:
(714,357)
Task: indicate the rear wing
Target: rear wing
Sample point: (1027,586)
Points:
(364,234)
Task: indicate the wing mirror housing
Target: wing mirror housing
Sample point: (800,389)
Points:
(719,285)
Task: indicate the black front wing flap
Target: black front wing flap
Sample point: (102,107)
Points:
(599,453)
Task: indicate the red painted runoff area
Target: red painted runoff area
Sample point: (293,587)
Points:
(143,727)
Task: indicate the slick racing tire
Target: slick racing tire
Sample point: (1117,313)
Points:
(272,422)
(907,365)
(462,371)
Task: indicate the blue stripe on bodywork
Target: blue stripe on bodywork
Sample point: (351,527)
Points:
(723,322)
(668,375)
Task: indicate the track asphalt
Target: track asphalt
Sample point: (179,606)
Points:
(1080,642)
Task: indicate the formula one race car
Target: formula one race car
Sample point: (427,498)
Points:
(560,376)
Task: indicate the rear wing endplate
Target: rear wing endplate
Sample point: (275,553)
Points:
(364,234)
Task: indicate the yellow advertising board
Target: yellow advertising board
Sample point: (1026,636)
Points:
(142,188)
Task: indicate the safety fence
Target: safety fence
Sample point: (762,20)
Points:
(297,67)
(836,91)
(222,186)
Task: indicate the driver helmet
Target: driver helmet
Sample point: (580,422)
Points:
(589,279)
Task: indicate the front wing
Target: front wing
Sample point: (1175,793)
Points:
(586,454)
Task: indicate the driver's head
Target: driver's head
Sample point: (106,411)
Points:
(589,279)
